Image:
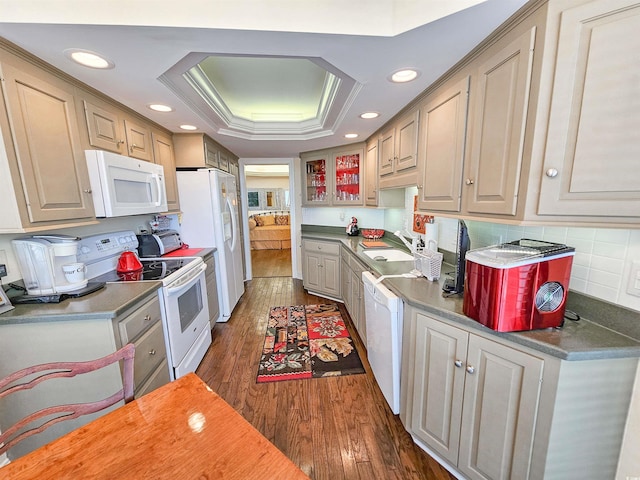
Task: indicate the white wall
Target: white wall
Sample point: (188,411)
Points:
(268,182)
(106,225)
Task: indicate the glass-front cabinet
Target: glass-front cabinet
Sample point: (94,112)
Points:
(315,168)
(333,176)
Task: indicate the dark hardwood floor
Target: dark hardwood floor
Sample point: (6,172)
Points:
(332,428)
(271,263)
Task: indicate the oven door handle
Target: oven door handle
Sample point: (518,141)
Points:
(184,281)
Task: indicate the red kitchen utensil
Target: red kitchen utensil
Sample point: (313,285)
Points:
(128,262)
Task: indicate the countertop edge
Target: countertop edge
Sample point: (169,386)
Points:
(621,343)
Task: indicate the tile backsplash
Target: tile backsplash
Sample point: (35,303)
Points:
(602,263)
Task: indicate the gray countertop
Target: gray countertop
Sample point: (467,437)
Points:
(108,302)
(604,330)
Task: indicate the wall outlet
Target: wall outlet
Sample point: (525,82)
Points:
(633,287)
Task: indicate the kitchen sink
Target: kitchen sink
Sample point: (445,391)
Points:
(389,255)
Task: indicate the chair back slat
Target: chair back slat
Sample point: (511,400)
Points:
(14,434)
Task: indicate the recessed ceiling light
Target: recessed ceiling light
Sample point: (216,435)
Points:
(404,75)
(351,135)
(188,127)
(160,108)
(369,115)
(89,59)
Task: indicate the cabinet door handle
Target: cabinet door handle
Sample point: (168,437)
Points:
(152,351)
(458,363)
(469,181)
(551,173)
(88,190)
(147,317)
(132,147)
(471,369)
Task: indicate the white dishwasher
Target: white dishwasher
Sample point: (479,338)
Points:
(383,311)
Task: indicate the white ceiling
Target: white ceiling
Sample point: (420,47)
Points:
(366,40)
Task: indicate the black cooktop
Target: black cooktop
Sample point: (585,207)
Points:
(152,269)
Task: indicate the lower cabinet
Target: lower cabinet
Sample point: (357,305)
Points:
(321,268)
(212,290)
(79,338)
(474,401)
(491,409)
(353,291)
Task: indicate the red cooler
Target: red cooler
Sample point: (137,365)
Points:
(516,286)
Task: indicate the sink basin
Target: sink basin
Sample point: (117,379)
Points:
(389,255)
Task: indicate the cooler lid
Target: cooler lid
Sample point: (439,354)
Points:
(518,252)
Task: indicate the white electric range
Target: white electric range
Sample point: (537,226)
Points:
(183,296)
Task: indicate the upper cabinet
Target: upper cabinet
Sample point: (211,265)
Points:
(591,162)
(139,144)
(109,127)
(371,173)
(45,182)
(199,150)
(104,126)
(398,156)
(163,154)
(333,177)
(551,129)
(441,148)
(499,111)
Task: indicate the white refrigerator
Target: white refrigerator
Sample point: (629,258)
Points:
(209,204)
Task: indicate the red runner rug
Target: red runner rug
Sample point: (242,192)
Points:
(307,341)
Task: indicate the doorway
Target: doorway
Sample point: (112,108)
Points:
(267,208)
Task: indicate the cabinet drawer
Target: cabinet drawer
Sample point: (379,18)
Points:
(158,378)
(139,321)
(329,248)
(150,351)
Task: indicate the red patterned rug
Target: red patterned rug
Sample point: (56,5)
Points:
(307,341)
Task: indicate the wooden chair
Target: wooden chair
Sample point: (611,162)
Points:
(14,434)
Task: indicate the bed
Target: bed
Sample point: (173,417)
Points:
(270,231)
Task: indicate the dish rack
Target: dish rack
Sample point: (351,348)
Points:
(429,263)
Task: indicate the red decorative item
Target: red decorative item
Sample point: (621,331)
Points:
(372,233)
(129,263)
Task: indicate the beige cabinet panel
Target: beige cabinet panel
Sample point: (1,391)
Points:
(439,385)
(321,267)
(441,148)
(105,128)
(407,141)
(44,127)
(211,154)
(593,144)
(500,95)
(163,155)
(501,395)
(371,174)
(387,152)
(475,401)
(139,143)
(223,161)
(399,152)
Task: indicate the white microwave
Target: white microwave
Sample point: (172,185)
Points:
(125,186)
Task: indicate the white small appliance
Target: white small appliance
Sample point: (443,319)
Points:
(49,264)
(209,204)
(125,186)
(383,312)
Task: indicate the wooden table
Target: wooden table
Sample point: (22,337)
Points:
(182,430)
